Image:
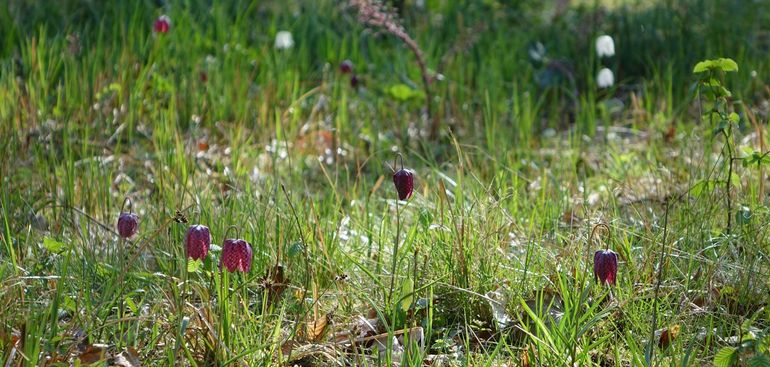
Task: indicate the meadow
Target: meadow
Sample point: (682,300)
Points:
(355,183)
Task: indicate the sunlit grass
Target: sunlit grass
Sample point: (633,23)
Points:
(534,169)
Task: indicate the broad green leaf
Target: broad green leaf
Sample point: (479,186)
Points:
(193,265)
(723,64)
(701,187)
(735,180)
(54,246)
(701,67)
(69,304)
(727,64)
(725,357)
(407,293)
(747,151)
(759,360)
(131,305)
(403,92)
(734,118)
(765,343)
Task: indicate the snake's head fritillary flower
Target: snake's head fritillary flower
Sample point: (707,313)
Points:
(605,78)
(284,40)
(606,266)
(236,255)
(346,67)
(605,46)
(128,225)
(197,241)
(404,181)
(162,24)
(355,81)
(536,52)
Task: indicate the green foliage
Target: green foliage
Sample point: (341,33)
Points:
(403,92)
(721,64)
(211,120)
(54,246)
(725,357)
(759,360)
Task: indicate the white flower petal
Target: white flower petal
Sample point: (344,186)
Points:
(605,78)
(605,46)
(284,40)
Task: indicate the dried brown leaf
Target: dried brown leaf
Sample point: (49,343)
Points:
(315,329)
(128,358)
(92,354)
(667,336)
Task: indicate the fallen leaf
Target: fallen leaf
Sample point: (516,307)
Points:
(203,145)
(128,358)
(667,336)
(92,354)
(670,133)
(571,218)
(498,303)
(317,328)
(525,356)
(275,283)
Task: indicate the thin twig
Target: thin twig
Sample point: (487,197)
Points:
(308,274)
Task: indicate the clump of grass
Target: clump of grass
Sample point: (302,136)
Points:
(493,263)
(373,13)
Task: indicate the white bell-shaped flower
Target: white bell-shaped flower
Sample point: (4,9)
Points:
(605,78)
(605,46)
(284,40)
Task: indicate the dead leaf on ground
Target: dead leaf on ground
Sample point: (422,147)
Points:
(570,218)
(667,336)
(315,329)
(93,353)
(275,283)
(525,359)
(203,145)
(127,358)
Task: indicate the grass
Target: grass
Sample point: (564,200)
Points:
(534,169)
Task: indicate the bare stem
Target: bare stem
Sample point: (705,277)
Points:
(374,14)
(661,267)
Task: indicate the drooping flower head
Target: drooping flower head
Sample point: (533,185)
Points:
(355,81)
(605,46)
(606,266)
(346,67)
(128,225)
(284,40)
(236,255)
(605,78)
(162,24)
(197,241)
(128,222)
(403,179)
